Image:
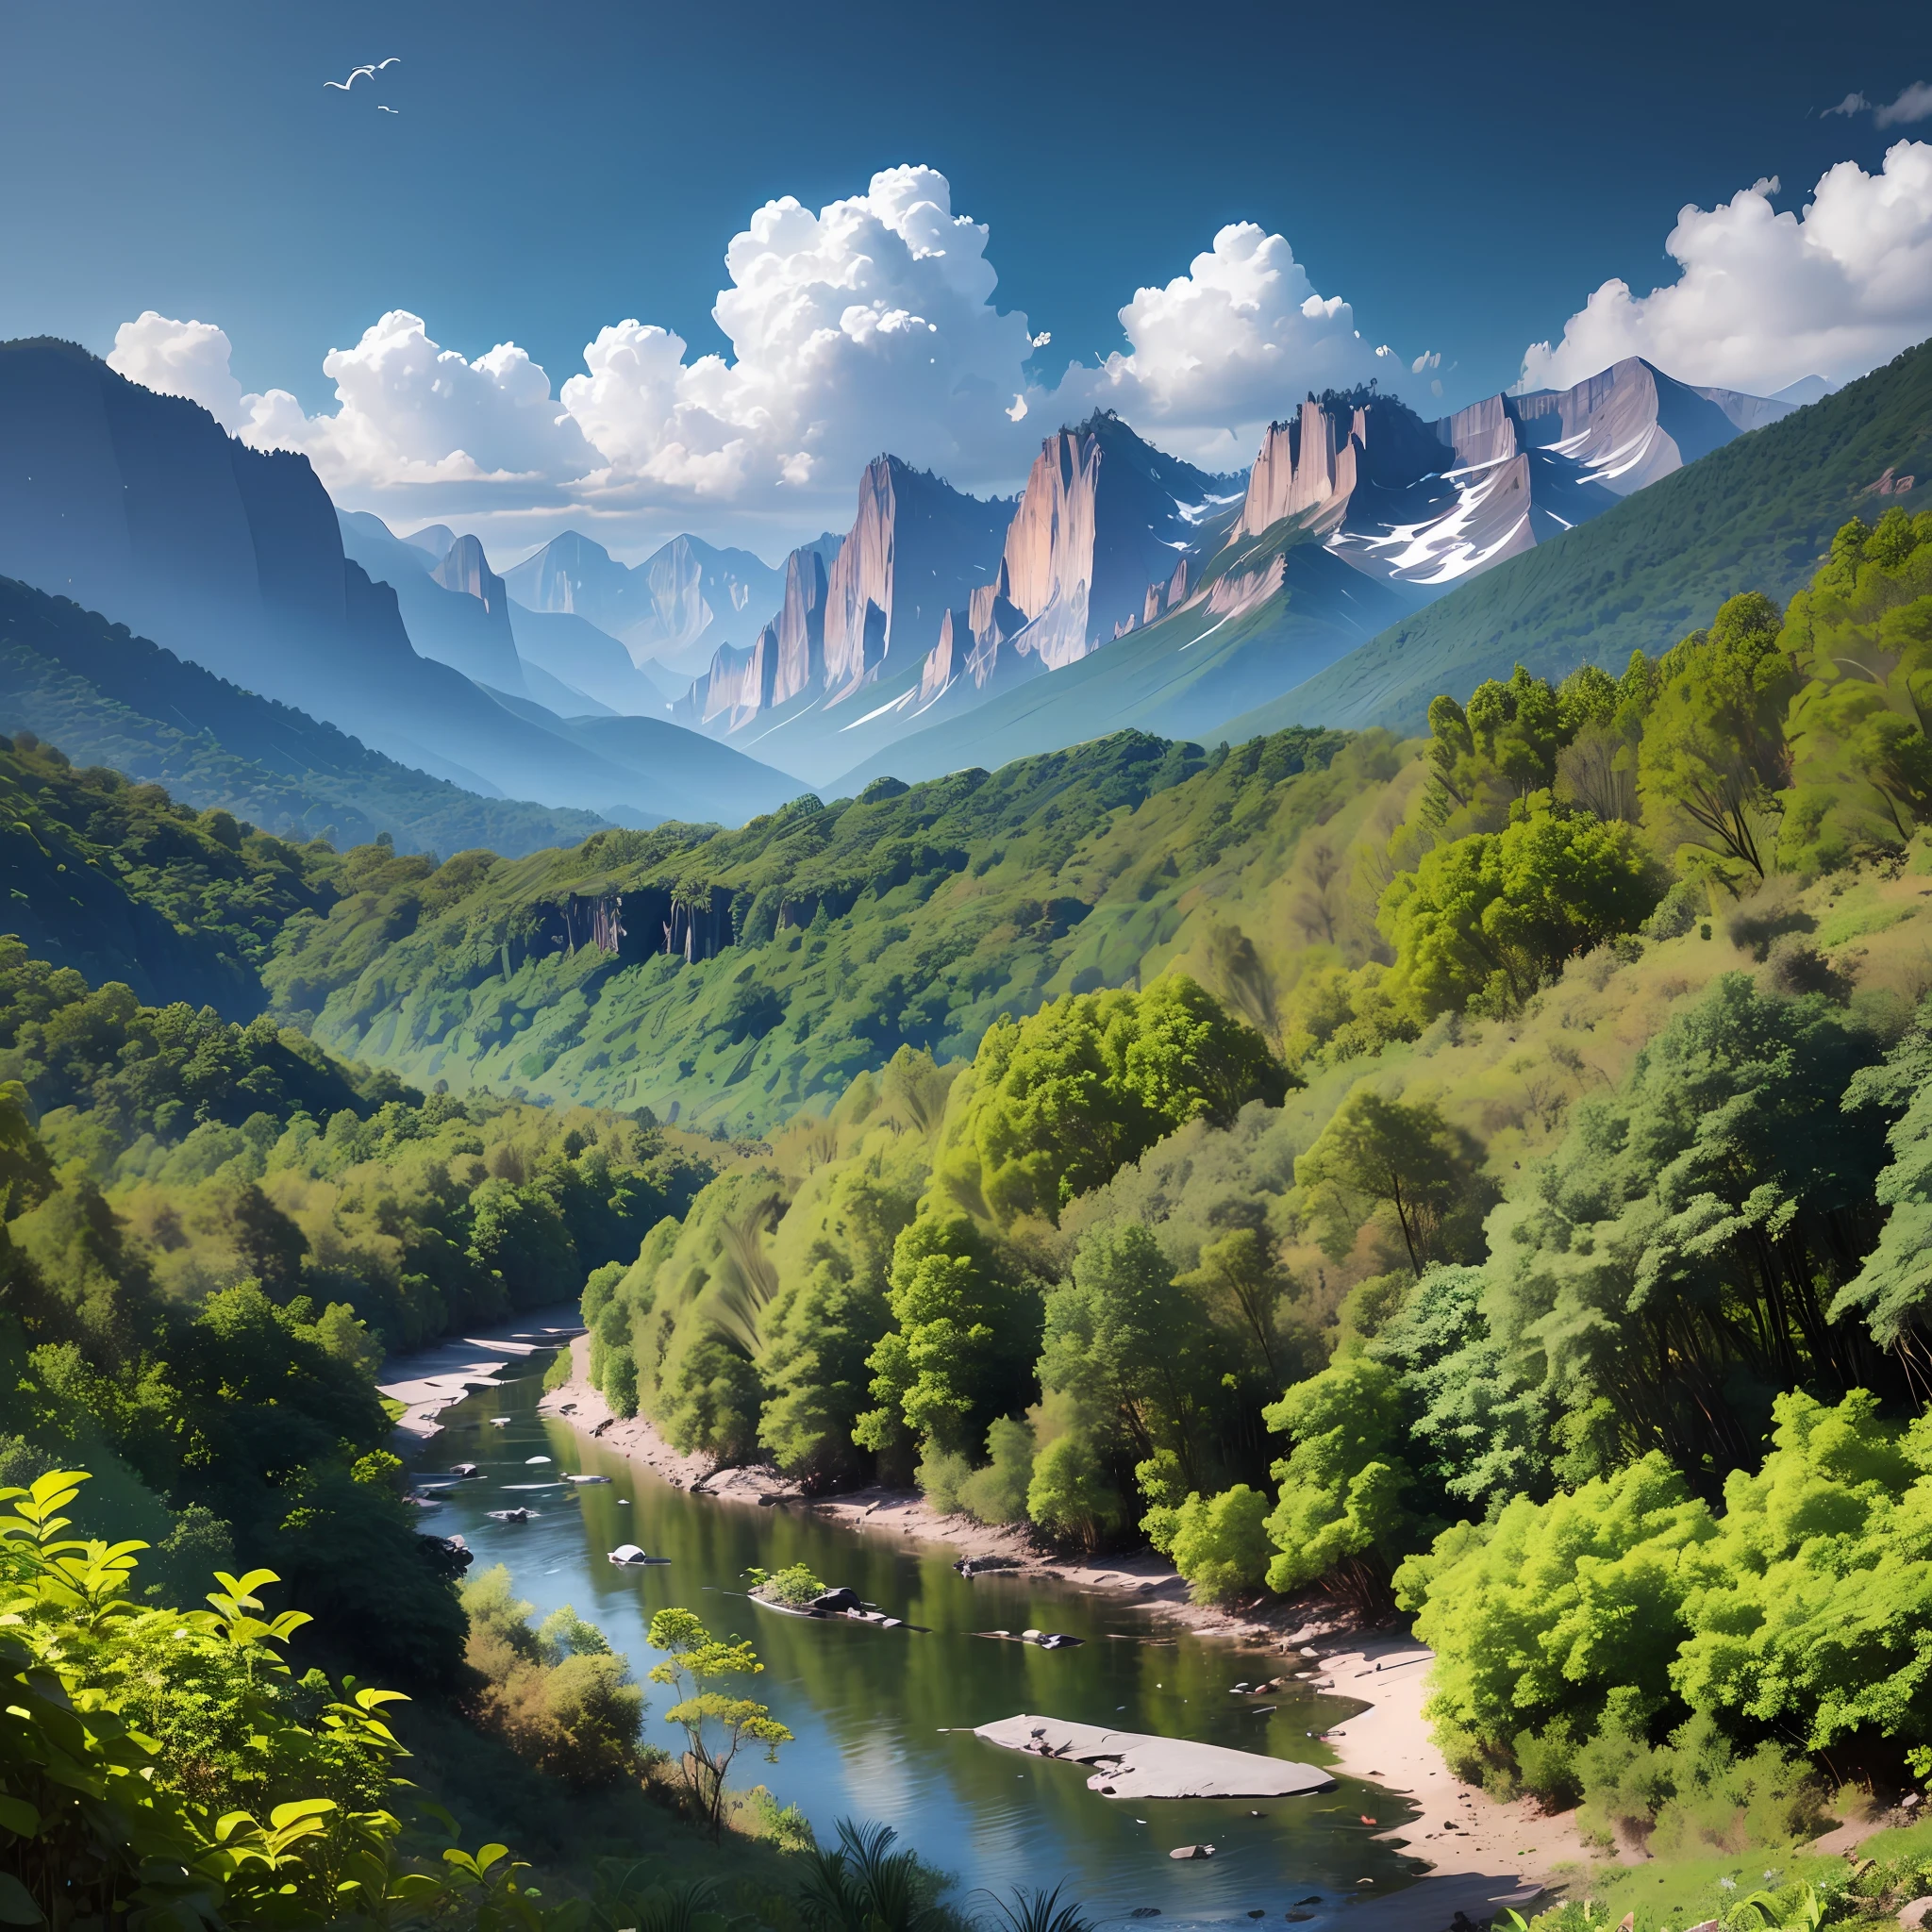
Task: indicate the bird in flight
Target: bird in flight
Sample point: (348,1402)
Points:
(381,110)
(356,74)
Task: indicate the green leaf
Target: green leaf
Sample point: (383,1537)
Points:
(19,1817)
(16,1904)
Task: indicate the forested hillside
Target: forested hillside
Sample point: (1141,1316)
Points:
(107,697)
(758,969)
(1538,1245)
(1482,1179)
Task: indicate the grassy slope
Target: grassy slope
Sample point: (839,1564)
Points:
(918,919)
(1178,678)
(1755,516)
(110,698)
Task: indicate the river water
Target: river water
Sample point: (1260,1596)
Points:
(883,1718)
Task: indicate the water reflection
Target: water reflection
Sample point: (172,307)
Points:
(883,1718)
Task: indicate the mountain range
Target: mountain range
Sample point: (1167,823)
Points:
(1366,559)
(1130,589)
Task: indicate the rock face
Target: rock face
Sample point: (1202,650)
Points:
(916,549)
(801,657)
(1102,518)
(456,611)
(1425,504)
(676,607)
(915,553)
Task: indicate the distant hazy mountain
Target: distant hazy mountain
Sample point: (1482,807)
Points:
(454,605)
(458,610)
(109,698)
(139,506)
(1755,515)
(676,607)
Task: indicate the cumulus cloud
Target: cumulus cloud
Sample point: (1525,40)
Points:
(179,359)
(1762,297)
(1218,352)
(867,326)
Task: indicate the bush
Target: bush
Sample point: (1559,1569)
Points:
(939,1477)
(1767,915)
(1796,967)
(1546,1766)
(1695,1794)
(997,1493)
(795,1587)
(557,1697)
(1676,912)
(621,1381)
(1219,1543)
(1070,1495)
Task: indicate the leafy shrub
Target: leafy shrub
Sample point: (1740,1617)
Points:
(997,1493)
(795,1587)
(1219,1543)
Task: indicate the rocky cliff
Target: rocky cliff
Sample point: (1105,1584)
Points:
(458,615)
(1423,505)
(916,550)
(1103,516)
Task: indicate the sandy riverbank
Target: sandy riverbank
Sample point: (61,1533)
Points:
(1483,1855)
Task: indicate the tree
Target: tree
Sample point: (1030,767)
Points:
(1373,1150)
(1714,756)
(1126,1341)
(1065,1097)
(1860,639)
(1892,1291)
(1341,1516)
(1484,920)
(1675,1263)
(1240,1273)
(716,1725)
(1806,1607)
(1537,1615)
(1070,1494)
(966,1337)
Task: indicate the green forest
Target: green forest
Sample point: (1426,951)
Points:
(1481,1181)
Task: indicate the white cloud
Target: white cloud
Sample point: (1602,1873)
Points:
(868,326)
(1237,339)
(1764,298)
(414,414)
(1913,104)
(179,359)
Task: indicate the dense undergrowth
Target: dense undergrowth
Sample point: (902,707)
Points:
(1485,1176)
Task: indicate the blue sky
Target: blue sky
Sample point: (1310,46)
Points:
(1463,178)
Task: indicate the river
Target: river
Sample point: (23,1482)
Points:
(883,1718)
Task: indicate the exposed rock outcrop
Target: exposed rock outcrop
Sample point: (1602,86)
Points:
(1103,515)
(916,549)
(801,626)
(1425,504)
